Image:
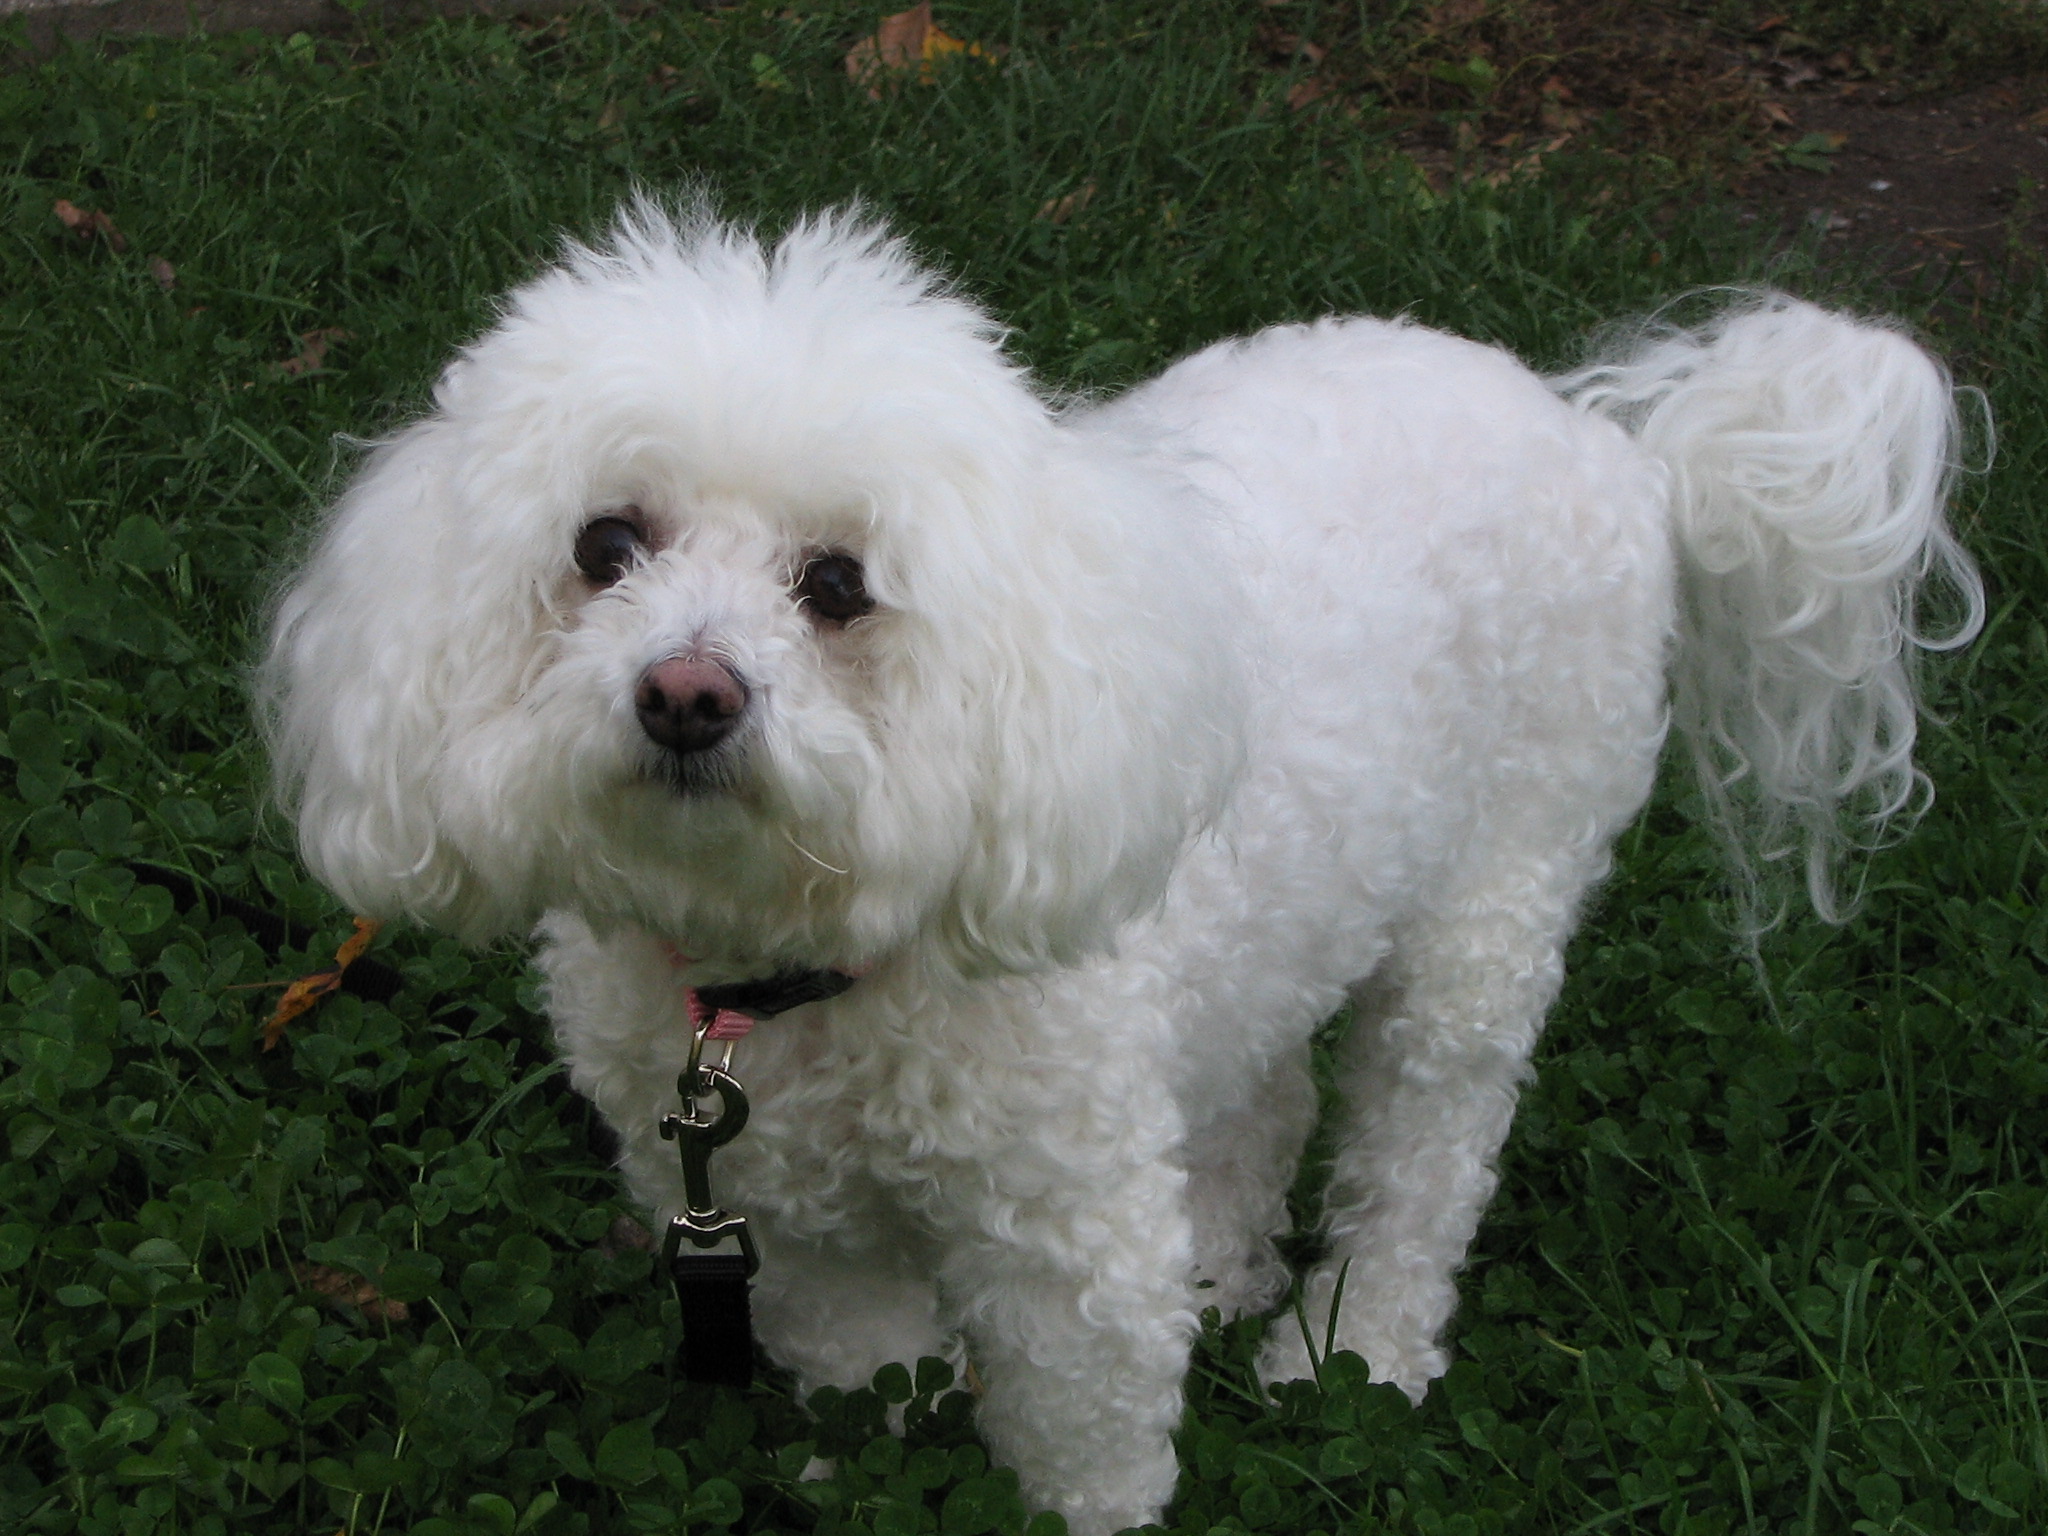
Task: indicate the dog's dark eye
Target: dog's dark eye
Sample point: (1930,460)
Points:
(833,587)
(607,548)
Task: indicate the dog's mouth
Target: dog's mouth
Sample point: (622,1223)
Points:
(694,775)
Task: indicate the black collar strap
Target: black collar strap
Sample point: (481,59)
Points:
(770,995)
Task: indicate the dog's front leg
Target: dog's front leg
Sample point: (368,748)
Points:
(835,1310)
(1073,1282)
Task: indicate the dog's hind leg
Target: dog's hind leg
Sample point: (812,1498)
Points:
(1430,1075)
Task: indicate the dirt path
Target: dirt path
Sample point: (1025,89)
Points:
(1838,139)
(1953,188)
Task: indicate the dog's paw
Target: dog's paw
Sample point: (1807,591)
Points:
(1284,1355)
(1410,1365)
(1248,1285)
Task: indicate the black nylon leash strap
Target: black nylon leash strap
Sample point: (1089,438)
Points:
(718,1320)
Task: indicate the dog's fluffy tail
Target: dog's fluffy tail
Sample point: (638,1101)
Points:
(1811,457)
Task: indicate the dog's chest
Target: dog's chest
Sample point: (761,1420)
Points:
(994,1101)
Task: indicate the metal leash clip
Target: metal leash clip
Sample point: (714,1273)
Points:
(711,1288)
(697,1135)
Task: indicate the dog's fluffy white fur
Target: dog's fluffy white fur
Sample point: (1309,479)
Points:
(1324,667)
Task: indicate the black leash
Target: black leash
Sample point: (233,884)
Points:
(712,1288)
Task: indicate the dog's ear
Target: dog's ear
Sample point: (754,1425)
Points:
(374,659)
(1101,675)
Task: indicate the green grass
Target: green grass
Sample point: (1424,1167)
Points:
(1769,1251)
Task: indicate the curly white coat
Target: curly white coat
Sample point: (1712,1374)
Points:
(1326,666)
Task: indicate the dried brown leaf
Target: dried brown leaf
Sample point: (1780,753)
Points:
(897,44)
(904,43)
(1309,89)
(312,354)
(88,223)
(309,991)
(1057,210)
(1450,14)
(899,40)
(343,1288)
(1289,45)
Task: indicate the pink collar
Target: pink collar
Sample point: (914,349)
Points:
(724,1023)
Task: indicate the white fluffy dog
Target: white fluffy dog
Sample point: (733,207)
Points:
(748,604)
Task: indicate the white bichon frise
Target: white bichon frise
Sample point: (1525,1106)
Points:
(749,605)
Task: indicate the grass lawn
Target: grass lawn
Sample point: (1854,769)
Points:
(1771,1250)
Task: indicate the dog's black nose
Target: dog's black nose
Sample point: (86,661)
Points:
(689,704)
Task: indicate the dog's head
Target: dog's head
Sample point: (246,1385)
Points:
(754,597)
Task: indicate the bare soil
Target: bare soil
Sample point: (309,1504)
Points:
(1951,188)
(1848,142)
